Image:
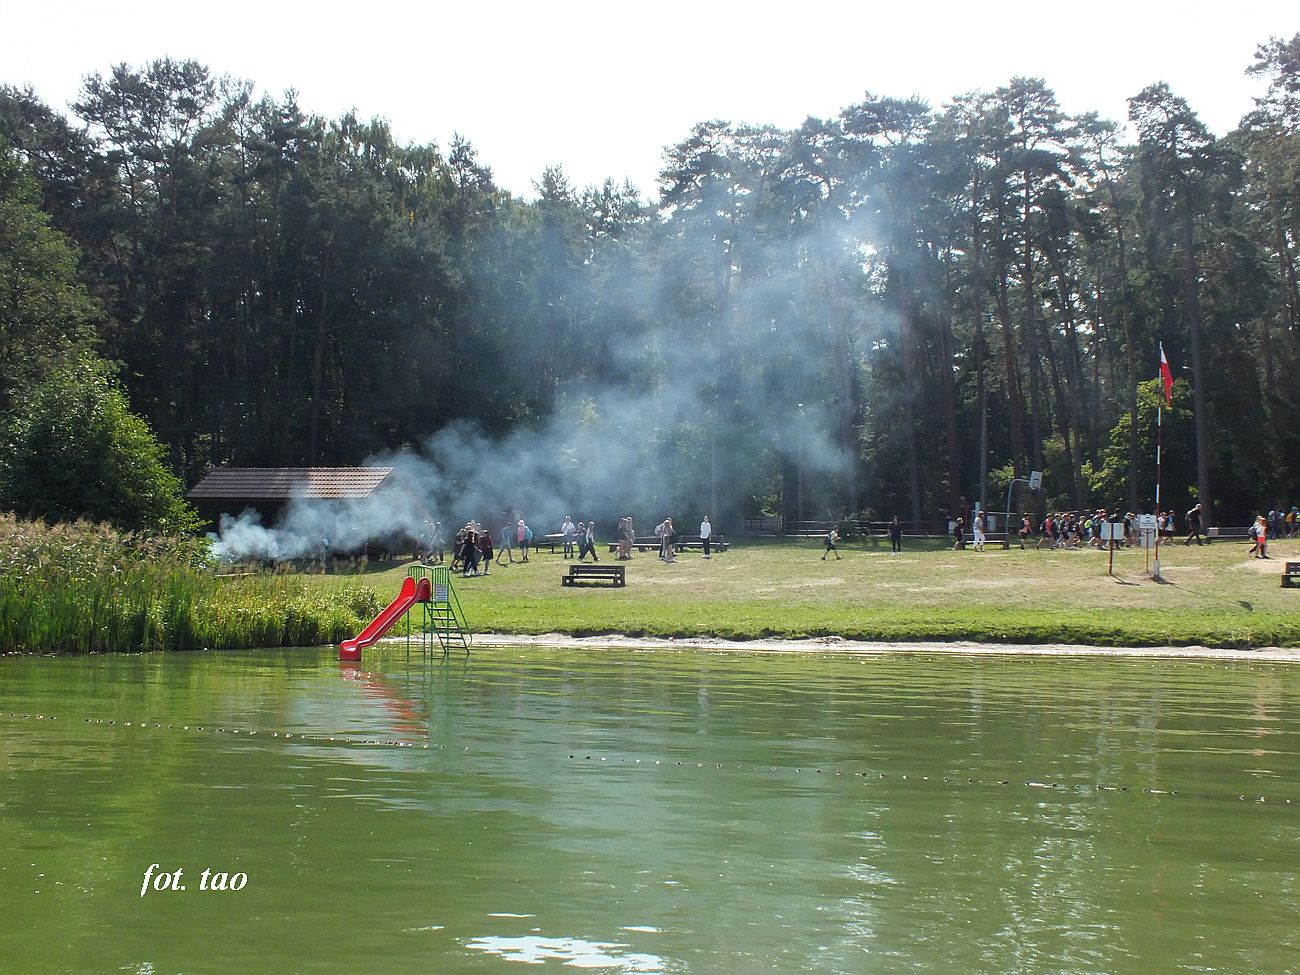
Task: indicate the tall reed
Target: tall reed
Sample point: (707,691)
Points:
(79,588)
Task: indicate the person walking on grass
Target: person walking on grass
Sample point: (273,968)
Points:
(507,545)
(706,533)
(523,535)
(626,536)
(978,530)
(959,534)
(832,537)
(896,537)
(587,541)
(1259,531)
(1194,520)
(1046,529)
(437,544)
(468,553)
(484,541)
(1025,529)
(665,533)
(457,546)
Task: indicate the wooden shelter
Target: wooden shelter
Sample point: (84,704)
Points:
(268,490)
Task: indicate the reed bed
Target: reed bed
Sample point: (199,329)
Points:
(85,588)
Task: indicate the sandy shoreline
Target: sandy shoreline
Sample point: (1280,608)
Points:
(841,645)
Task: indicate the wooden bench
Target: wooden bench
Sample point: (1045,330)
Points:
(594,573)
(1239,533)
(1290,573)
(717,543)
(641,543)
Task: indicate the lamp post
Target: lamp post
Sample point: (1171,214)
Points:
(799,437)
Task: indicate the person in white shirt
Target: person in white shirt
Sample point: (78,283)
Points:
(569,530)
(979,532)
(706,531)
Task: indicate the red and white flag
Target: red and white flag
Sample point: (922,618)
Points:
(1166,376)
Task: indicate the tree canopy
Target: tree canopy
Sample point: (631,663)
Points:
(865,313)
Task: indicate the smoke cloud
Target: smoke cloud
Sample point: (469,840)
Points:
(602,454)
(694,418)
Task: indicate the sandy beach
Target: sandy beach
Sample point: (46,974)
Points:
(841,645)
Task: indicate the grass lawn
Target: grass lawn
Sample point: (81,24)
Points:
(1212,595)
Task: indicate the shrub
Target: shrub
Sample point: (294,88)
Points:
(78,452)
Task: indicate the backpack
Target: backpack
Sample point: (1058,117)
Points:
(528,534)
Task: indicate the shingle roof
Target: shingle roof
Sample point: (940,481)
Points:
(282,483)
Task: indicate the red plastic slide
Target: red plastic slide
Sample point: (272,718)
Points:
(381,624)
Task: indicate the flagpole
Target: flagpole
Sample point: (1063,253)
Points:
(1159,443)
(1166,383)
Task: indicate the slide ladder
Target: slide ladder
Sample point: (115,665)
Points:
(444,619)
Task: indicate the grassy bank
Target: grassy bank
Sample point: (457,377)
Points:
(86,588)
(82,588)
(1213,596)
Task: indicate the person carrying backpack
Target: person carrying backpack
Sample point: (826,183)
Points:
(832,537)
(524,538)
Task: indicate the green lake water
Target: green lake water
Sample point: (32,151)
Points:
(649,812)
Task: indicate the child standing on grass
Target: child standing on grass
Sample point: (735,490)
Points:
(832,537)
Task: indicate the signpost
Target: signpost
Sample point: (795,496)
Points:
(1111,532)
(1147,528)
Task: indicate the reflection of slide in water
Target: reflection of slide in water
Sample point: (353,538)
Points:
(411,720)
(412,593)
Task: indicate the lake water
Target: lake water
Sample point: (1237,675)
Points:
(648,812)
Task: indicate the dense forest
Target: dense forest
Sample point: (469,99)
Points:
(895,310)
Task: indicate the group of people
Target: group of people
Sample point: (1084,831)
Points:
(1282,522)
(1083,529)
(978,535)
(473,551)
(579,538)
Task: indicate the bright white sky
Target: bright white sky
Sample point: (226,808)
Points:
(601,87)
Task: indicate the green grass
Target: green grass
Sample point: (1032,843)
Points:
(1213,596)
(85,588)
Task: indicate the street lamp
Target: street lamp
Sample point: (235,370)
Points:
(799,436)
